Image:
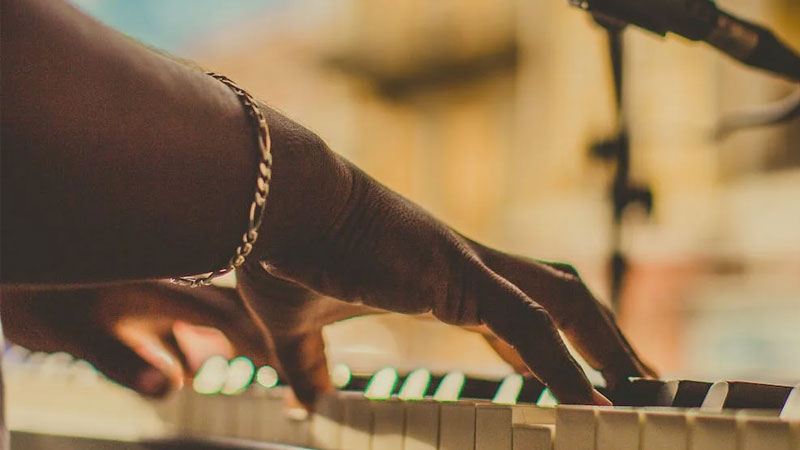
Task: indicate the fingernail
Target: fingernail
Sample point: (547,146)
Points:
(600,400)
(152,382)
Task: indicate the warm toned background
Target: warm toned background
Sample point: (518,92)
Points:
(483,111)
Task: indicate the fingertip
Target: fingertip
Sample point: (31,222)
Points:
(599,399)
(152,383)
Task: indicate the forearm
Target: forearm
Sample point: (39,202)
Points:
(117,163)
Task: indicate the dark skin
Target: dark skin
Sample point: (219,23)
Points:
(128,331)
(114,123)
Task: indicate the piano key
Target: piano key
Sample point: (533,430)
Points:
(745,395)
(269,415)
(494,423)
(713,431)
(211,375)
(212,416)
(618,429)
(245,413)
(531,391)
(382,384)
(341,376)
(240,373)
(170,409)
(357,426)
(457,425)
(493,427)
(421,425)
(267,377)
(509,390)
(326,423)
(275,422)
(685,393)
(765,433)
(415,385)
(575,427)
(640,392)
(791,409)
(547,399)
(450,387)
(533,437)
(388,422)
(664,430)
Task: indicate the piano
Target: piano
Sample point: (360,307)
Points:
(59,403)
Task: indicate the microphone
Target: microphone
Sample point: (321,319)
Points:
(701,20)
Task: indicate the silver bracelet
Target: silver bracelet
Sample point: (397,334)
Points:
(262,189)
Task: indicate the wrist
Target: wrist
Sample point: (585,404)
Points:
(310,186)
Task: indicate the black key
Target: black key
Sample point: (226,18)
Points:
(745,395)
(685,393)
(639,392)
(531,390)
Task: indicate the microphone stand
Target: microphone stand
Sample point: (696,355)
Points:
(623,191)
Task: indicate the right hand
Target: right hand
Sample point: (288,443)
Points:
(353,243)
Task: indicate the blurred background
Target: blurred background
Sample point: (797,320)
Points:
(486,113)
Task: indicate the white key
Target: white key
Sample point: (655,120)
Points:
(381,384)
(716,396)
(457,425)
(765,433)
(327,422)
(713,431)
(494,423)
(665,430)
(618,429)
(575,427)
(388,419)
(450,387)
(547,399)
(276,423)
(215,420)
(269,412)
(245,413)
(357,421)
(795,426)
(208,415)
(170,409)
(533,437)
(421,425)
(493,427)
(509,390)
(791,409)
(415,385)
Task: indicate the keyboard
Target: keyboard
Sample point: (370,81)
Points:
(57,403)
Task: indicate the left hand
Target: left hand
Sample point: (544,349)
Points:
(127,331)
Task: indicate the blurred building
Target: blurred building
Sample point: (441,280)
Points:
(483,112)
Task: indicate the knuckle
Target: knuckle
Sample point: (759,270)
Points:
(457,302)
(566,268)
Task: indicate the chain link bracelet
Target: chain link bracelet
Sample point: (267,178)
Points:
(262,189)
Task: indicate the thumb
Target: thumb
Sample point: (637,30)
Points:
(146,367)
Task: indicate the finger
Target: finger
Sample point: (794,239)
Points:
(305,366)
(614,357)
(128,367)
(529,329)
(288,312)
(211,306)
(503,350)
(163,355)
(581,317)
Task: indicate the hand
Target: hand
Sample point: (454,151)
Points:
(128,331)
(334,230)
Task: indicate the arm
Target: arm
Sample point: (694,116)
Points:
(117,162)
